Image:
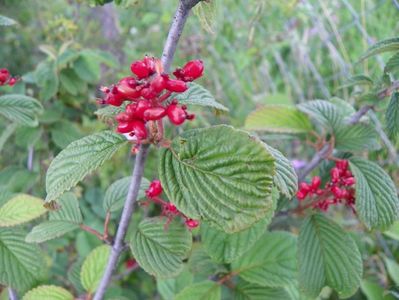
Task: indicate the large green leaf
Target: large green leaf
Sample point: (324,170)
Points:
(21,264)
(387,45)
(249,291)
(204,290)
(20,109)
(377,203)
(21,209)
(357,137)
(64,132)
(278,119)
(158,250)
(168,288)
(220,175)
(48,292)
(67,218)
(71,82)
(286,179)
(323,112)
(224,247)
(270,262)
(327,256)
(79,159)
(115,195)
(201,264)
(392,116)
(93,267)
(198,95)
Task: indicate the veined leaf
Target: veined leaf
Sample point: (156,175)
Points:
(323,112)
(220,175)
(387,45)
(377,203)
(158,250)
(21,109)
(69,210)
(204,290)
(201,264)
(357,137)
(392,116)
(48,292)
(6,21)
(115,195)
(270,262)
(93,267)
(107,113)
(79,159)
(21,209)
(168,288)
(198,95)
(286,179)
(21,264)
(392,64)
(278,119)
(64,132)
(250,291)
(327,256)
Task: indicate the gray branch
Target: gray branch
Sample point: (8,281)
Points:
(174,34)
(12,294)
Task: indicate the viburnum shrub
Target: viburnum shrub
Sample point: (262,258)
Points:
(225,217)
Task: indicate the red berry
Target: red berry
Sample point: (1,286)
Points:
(191,224)
(4,75)
(158,84)
(335,174)
(177,86)
(125,127)
(127,87)
(12,81)
(140,69)
(136,110)
(150,64)
(130,263)
(139,129)
(304,187)
(349,181)
(123,117)
(148,93)
(301,195)
(192,70)
(342,164)
(155,189)
(177,115)
(154,113)
(170,207)
(316,181)
(336,191)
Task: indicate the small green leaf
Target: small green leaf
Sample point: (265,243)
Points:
(392,64)
(377,203)
(21,209)
(158,250)
(392,116)
(48,292)
(205,290)
(374,291)
(387,45)
(249,291)
(393,269)
(47,79)
(20,109)
(357,80)
(6,21)
(115,195)
(168,288)
(285,179)
(71,82)
(21,264)
(198,95)
(355,138)
(278,119)
(220,175)
(393,231)
(206,11)
(327,256)
(109,112)
(79,159)
(93,267)
(270,262)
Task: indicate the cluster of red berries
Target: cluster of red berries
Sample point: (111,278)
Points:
(168,209)
(339,190)
(147,92)
(6,78)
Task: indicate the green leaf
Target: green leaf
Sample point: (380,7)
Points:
(278,119)
(64,132)
(374,291)
(21,209)
(93,267)
(224,247)
(393,231)
(79,159)
(47,79)
(201,264)
(48,292)
(323,112)
(66,57)
(198,95)
(71,82)
(392,116)
(392,64)
(285,179)
(67,218)
(205,290)
(115,195)
(357,80)
(377,203)
(249,291)
(158,250)
(21,264)
(101,57)
(6,21)
(109,112)
(21,109)
(270,262)
(221,175)
(206,11)
(387,45)
(327,256)
(355,138)
(393,269)
(168,288)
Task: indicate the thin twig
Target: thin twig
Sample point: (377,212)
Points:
(174,34)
